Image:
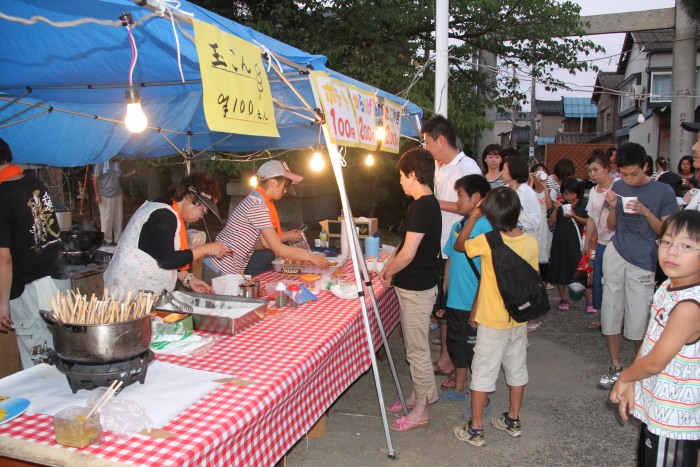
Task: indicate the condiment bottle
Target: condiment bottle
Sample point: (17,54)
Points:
(294,296)
(281,295)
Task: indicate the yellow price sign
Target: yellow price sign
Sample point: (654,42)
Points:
(237,96)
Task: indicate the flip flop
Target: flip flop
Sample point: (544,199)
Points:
(453,396)
(436,341)
(396,407)
(401,424)
(450,382)
(439,371)
(593,325)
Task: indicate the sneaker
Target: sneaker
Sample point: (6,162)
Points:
(473,436)
(608,379)
(563,305)
(549,286)
(590,309)
(507,424)
(533,326)
(467,414)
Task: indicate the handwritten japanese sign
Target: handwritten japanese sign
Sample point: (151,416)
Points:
(237,96)
(363,103)
(392,124)
(338,107)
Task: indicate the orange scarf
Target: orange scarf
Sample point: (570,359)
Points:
(9,172)
(184,244)
(274,217)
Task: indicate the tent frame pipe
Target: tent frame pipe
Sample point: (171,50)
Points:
(334,156)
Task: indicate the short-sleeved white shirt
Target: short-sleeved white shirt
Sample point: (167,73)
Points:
(445,178)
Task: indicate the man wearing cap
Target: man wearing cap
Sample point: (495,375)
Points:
(253,232)
(692,197)
(154,252)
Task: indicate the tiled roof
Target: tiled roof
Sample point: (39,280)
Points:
(606,82)
(522,134)
(656,39)
(574,137)
(549,107)
(577,107)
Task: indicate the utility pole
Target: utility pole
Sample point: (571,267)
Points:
(442,72)
(533,111)
(683,84)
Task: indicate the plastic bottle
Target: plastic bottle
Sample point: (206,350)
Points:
(281,295)
(294,296)
(323,236)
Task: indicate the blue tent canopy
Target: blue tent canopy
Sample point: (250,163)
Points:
(62,86)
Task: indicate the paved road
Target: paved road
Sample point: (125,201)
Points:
(566,419)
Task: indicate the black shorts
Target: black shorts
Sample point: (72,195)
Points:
(657,451)
(461,338)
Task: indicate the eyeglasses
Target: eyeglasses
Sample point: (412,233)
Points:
(198,203)
(682,247)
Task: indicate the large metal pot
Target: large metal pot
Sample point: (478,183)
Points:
(100,343)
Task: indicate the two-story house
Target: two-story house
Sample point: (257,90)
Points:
(606,98)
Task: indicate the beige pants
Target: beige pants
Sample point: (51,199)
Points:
(416,307)
(111,217)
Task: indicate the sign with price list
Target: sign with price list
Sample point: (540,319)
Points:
(391,118)
(338,109)
(363,103)
(237,97)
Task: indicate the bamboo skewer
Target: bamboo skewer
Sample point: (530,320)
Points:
(75,308)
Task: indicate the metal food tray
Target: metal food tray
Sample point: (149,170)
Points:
(253,311)
(284,267)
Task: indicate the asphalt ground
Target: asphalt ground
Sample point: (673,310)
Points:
(566,419)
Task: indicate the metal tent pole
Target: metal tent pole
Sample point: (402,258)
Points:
(350,228)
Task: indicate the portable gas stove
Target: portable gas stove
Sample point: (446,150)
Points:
(94,375)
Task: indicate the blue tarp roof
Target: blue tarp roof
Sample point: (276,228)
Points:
(577,107)
(83,68)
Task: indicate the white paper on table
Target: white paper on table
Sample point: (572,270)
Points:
(168,390)
(227,285)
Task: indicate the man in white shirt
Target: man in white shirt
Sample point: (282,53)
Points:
(451,164)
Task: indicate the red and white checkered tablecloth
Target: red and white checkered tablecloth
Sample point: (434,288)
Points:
(300,367)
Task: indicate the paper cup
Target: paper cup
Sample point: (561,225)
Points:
(566,208)
(625,201)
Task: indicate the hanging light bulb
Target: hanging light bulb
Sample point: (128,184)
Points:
(369,160)
(380,133)
(317,162)
(640,118)
(253,181)
(135,120)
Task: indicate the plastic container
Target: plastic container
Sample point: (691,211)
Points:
(281,295)
(294,296)
(323,237)
(71,428)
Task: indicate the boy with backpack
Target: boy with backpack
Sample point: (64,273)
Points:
(462,282)
(501,340)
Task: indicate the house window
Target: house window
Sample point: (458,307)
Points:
(627,98)
(661,87)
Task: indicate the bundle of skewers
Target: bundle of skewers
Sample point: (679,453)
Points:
(76,308)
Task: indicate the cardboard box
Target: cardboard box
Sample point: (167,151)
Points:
(367,227)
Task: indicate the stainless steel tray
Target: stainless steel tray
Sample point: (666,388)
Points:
(224,314)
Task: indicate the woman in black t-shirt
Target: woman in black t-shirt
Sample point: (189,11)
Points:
(413,272)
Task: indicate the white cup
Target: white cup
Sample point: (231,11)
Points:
(625,201)
(541,175)
(566,208)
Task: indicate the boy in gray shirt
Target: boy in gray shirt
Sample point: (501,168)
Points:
(638,206)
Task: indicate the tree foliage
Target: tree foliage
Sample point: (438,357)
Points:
(388,43)
(692,7)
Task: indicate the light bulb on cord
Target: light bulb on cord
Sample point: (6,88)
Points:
(380,133)
(640,118)
(317,162)
(369,160)
(253,181)
(135,120)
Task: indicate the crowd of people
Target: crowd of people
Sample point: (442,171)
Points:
(629,228)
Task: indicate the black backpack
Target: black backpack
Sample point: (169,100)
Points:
(519,284)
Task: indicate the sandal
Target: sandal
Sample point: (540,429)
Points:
(453,396)
(396,407)
(450,382)
(436,341)
(401,424)
(439,371)
(593,325)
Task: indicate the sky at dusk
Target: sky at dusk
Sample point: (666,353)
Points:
(582,83)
